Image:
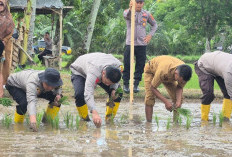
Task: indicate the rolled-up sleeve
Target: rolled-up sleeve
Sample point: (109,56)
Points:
(127,14)
(31,91)
(153,23)
(156,81)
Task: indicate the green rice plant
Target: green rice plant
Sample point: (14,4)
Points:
(67,118)
(124,118)
(188,122)
(221,118)
(184,112)
(214,118)
(71,123)
(180,120)
(77,121)
(168,123)
(39,117)
(7,120)
(6,102)
(157,120)
(64,101)
(56,122)
(27,119)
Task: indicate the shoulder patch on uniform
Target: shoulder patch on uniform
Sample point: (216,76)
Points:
(97,81)
(121,68)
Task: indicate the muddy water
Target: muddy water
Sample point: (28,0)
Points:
(124,137)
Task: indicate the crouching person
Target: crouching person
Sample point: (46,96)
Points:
(173,74)
(91,70)
(215,66)
(28,85)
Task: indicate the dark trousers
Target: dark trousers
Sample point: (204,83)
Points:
(206,82)
(140,57)
(2,47)
(20,97)
(79,88)
(44,53)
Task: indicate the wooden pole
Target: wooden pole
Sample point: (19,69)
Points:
(61,38)
(132,53)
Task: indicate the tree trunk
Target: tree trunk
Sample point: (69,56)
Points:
(90,29)
(32,26)
(207,45)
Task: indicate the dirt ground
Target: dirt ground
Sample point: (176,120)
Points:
(124,137)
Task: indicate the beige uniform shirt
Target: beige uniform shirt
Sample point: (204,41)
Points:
(218,63)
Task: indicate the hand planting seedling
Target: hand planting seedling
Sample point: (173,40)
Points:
(6,102)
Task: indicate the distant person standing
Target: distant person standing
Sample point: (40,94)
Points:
(48,47)
(6,31)
(142,17)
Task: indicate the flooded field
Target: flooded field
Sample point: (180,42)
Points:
(124,137)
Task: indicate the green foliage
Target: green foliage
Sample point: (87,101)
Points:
(6,102)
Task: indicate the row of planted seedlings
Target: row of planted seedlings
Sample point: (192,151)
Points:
(55,121)
(7,118)
(178,115)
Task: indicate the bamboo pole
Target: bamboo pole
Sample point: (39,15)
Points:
(132,60)
(61,38)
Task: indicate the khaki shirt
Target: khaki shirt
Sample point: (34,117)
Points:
(90,66)
(218,63)
(163,68)
(29,82)
(141,20)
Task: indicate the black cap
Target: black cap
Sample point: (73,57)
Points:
(51,77)
(139,0)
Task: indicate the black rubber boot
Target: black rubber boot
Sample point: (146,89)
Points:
(136,86)
(126,88)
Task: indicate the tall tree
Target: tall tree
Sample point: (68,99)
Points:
(90,29)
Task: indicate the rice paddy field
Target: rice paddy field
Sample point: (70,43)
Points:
(127,135)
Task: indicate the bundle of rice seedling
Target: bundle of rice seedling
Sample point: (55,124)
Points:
(64,101)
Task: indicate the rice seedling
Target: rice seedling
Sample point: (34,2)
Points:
(27,119)
(77,121)
(6,102)
(157,120)
(124,118)
(214,118)
(71,123)
(67,118)
(39,117)
(56,122)
(188,122)
(168,123)
(64,101)
(180,120)
(7,120)
(184,112)
(221,118)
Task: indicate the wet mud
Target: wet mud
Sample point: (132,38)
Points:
(129,135)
